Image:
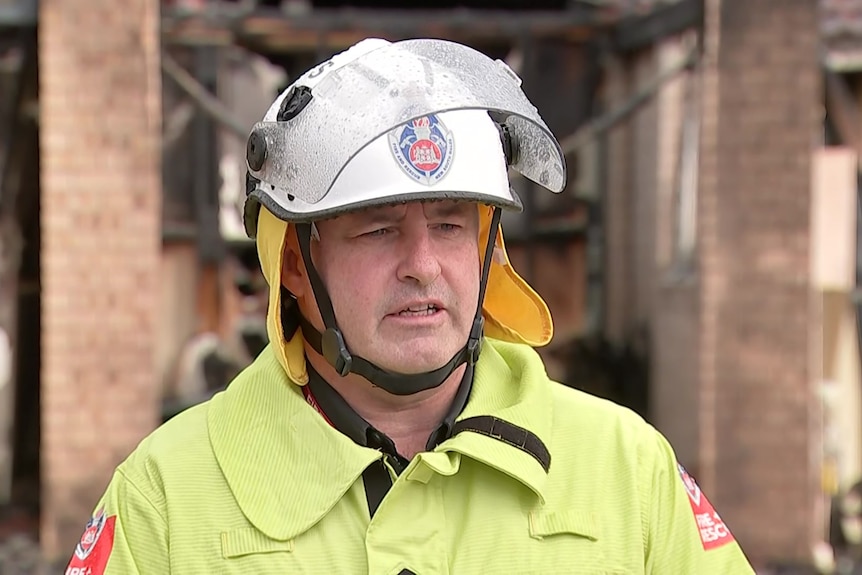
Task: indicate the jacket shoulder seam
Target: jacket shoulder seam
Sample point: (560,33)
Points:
(143,495)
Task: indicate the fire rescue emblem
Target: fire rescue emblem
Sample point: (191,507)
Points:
(709,524)
(91,535)
(424,148)
(94,549)
(691,486)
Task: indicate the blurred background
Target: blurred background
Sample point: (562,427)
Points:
(703,264)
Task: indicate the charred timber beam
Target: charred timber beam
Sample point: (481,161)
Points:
(635,33)
(272,30)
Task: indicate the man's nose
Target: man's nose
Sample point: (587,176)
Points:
(419,261)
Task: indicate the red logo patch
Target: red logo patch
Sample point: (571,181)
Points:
(713,532)
(93,550)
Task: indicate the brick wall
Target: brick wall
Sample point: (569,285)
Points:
(631,205)
(760,125)
(619,191)
(732,337)
(644,292)
(100,124)
(674,341)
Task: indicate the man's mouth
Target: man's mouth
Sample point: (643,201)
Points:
(419,310)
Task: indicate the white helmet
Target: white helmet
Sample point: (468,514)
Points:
(310,156)
(385,123)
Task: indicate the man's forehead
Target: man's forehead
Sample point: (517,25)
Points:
(397,211)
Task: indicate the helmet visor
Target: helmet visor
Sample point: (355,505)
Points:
(382,90)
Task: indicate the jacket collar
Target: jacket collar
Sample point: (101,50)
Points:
(510,385)
(287,467)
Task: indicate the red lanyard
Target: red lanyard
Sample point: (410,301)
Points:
(309,397)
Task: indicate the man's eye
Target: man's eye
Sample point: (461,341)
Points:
(376,233)
(448,227)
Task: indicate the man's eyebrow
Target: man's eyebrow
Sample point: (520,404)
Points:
(377,216)
(389,215)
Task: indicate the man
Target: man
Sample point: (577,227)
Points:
(400,421)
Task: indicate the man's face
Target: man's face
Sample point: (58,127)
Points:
(404,281)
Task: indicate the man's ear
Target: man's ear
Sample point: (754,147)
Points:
(293,275)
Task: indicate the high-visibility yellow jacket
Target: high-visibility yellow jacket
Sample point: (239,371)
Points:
(255,481)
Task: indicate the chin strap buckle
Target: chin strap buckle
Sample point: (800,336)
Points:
(474,343)
(334,350)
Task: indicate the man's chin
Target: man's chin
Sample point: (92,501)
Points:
(411,355)
(408,363)
(412,367)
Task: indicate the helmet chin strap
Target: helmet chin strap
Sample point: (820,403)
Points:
(330,344)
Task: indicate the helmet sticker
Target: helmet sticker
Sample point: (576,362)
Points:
(424,148)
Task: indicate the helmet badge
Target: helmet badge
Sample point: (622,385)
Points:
(424,148)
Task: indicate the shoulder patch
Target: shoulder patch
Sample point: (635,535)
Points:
(93,550)
(712,530)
